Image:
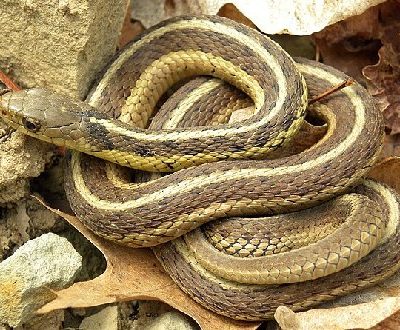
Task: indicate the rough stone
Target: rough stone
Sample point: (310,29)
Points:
(29,276)
(106,319)
(171,321)
(26,219)
(21,158)
(59,44)
(49,321)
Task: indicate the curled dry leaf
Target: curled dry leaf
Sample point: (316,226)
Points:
(392,322)
(361,316)
(387,171)
(130,28)
(367,47)
(385,75)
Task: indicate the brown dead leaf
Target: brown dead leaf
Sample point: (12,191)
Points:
(349,317)
(391,146)
(130,29)
(133,274)
(367,47)
(392,322)
(385,75)
(387,171)
(229,10)
(351,44)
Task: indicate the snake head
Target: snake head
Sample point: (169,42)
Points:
(42,114)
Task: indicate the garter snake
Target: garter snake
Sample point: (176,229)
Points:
(155,212)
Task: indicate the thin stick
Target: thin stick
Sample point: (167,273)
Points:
(8,82)
(331,90)
(317,54)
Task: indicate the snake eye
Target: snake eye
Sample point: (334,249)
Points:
(31,125)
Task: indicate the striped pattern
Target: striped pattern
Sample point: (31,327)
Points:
(153,213)
(230,268)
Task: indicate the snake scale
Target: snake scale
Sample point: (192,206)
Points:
(306,247)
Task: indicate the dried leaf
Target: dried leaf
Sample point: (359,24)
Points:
(133,274)
(367,47)
(300,18)
(352,44)
(230,11)
(387,171)
(385,75)
(349,317)
(392,322)
(391,147)
(130,28)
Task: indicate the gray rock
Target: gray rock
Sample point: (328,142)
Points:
(106,319)
(171,321)
(21,158)
(29,276)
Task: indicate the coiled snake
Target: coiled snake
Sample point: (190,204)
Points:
(231,266)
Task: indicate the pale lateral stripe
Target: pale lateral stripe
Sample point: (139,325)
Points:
(159,136)
(190,258)
(174,117)
(393,207)
(207,25)
(195,24)
(200,181)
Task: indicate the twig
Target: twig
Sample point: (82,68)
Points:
(8,82)
(317,54)
(331,90)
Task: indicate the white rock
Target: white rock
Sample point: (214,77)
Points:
(28,277)
(301,17)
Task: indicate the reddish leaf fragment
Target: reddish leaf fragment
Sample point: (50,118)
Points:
(8,82)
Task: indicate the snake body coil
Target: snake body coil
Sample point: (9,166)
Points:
(237,267)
